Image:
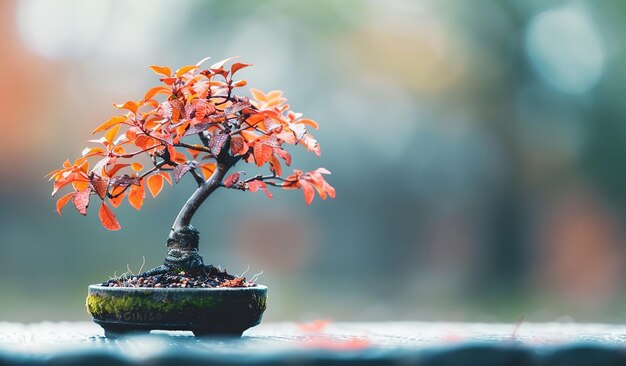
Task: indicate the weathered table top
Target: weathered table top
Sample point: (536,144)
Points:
(405,343)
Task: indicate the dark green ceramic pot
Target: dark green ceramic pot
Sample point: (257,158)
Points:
(204,311)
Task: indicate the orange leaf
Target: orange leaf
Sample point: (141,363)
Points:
(157,90)
(167,177)
(87,152)
(81,201)
(169,81)
(129,105)
(137,195)
(155,184)
(258,95)
(207,170)
(80,185)
(185,69)
(110,123)
(249,136)
(110,134)
(114,169)
(161,70)
(255,118)
(108,218)
(262,153)
(308,191)
(117,201)
(136,167)
(309,122)
(63,201)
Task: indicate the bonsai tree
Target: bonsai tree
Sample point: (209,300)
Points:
(191,125)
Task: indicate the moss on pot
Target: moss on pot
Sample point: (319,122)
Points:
(98,305)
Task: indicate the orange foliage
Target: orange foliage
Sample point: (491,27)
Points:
(192,103)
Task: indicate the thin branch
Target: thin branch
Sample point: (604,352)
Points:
(263,177)
(268,179)
(154,169)
(130,155)
(194,147)
(204,138)
(241,128)
(198,178)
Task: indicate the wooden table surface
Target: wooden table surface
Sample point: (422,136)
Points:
(322,343)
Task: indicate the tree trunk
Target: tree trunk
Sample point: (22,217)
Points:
(182,244)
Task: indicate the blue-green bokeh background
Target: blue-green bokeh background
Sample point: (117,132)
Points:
(477,147)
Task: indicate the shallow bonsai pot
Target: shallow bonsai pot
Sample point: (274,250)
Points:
(204,311)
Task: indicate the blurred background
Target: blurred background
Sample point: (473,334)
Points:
(478,150)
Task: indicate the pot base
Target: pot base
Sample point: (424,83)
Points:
(204,311)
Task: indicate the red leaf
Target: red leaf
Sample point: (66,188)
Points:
(197,128)
(231,179)
(236,67)
(255,185)
(108,218)
(262,153)
(271,124)
(275,166)
(155,184)
(100,185)
(285,155)
(308,191)
(237,107)
(236,145)
(81,201)
(180,170)
(217,142)
(63,201)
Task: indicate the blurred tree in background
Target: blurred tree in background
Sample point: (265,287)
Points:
(482,177)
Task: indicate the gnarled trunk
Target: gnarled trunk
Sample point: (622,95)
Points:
(182,243)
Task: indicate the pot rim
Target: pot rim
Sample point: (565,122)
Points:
(183,290)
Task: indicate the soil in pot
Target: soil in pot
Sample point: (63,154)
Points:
(207,277)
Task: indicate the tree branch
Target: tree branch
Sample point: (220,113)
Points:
(198,178)
(183,219)
(154,169)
